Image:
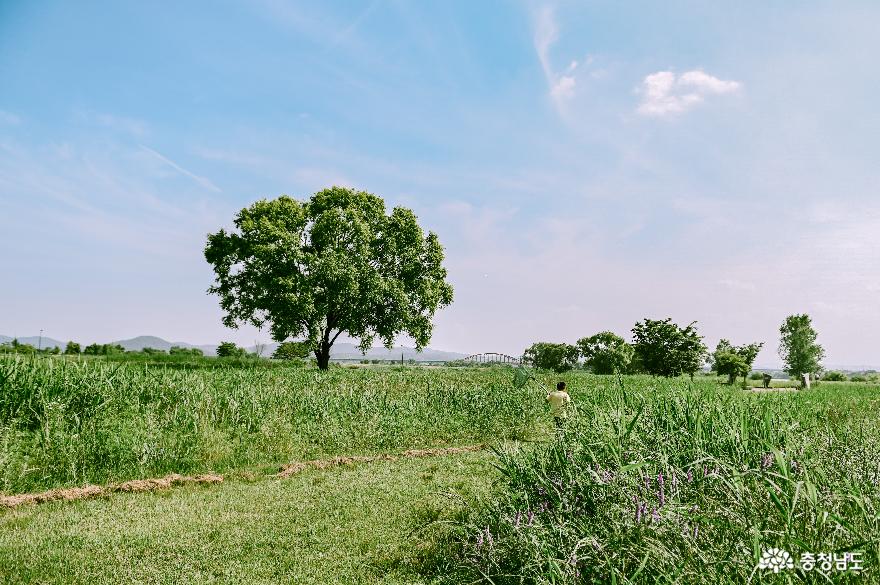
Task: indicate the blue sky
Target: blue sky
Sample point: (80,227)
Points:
(585,164)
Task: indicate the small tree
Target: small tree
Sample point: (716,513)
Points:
(337,263)
(798,348)
(293,350)
(665,349)
(72,348)
(559,357)
(734,361)
(229,349)
(606,353)
(833,376)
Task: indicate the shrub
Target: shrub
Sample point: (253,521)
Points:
(833,376)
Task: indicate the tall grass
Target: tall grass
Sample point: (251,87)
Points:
(659,481)
(66,422)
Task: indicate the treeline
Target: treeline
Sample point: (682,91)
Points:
(290,350)
(74,348)
(664,348)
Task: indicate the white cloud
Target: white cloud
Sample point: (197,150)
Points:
(563,88)
(664,93)
(203,181)
(562,85)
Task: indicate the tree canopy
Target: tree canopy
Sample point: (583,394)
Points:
(606,353)
(798,348)
(337,263)
(665,349)
(559,357)
(734,361)
(292,350)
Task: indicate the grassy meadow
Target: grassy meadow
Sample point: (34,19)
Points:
(652,480)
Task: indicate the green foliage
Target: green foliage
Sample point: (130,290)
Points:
(671,482)
(74,422)
(331,265)
(734,361)
(292,350)
(228,349)
(756,376)
(185,351)
(665,349)
(152,351)
(606,353)
(15,346)
(730,364)
(798,348)
(103,349)
(558,357)
(833,376)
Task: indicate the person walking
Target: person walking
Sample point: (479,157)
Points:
(559,404)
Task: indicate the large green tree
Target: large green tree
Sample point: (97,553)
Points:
(798,348)
(337,263)
(559,357)
(665,349)
(606,353)
(734,361)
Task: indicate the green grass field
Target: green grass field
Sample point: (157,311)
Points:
(653,480)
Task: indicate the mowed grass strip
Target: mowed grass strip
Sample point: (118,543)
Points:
(358,524)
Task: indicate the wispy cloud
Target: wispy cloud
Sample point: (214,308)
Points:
(561,85)
(664,93)
(203,181)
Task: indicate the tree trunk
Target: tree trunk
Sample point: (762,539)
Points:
(731,378)
(322,355)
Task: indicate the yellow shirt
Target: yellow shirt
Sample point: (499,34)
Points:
(558,400)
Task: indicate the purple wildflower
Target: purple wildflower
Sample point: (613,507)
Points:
(766,461)
(531,516)
(690,475)
(655,516)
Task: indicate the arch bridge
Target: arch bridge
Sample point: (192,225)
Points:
(492,358)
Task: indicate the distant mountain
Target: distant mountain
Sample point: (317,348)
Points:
(35,341)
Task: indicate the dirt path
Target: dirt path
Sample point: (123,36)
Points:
(169,481)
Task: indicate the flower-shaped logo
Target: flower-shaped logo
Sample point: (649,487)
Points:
(775,559)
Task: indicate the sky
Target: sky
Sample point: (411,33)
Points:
(585,164)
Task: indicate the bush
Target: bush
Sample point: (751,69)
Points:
(834,377)
(756,376)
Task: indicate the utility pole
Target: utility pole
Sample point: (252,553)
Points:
(40,343)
